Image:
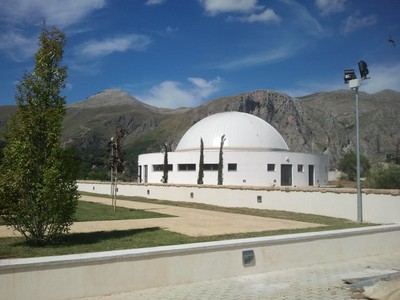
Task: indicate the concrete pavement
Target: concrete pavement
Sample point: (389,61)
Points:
(324,281)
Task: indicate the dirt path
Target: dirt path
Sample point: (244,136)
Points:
(189,221)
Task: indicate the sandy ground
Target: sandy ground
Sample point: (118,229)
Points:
(189,221)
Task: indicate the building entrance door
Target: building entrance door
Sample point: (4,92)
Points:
(146,173)
(286,175)
(311,175)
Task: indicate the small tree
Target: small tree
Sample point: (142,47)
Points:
(116,161)
(221,162)
(201,163)
(348,165)
(165,167)
(38,193)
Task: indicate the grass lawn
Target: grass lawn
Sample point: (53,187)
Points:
(90,211)
(151,237)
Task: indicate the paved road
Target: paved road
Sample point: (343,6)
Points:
(319,282)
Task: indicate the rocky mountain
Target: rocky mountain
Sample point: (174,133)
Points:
(317,123)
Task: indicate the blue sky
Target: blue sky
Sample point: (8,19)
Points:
(174,53)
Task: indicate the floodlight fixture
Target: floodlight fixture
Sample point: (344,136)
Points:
(349,74)
(363,67)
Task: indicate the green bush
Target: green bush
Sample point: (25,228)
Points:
(385,178)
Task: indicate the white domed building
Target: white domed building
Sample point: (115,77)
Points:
(254,154)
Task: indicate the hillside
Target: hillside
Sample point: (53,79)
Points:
(314,123)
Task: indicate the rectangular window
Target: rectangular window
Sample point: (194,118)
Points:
(210,167)
(271,167)
(300,168)
(232,167)
(160,168)
(187,167)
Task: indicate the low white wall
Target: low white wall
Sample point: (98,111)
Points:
(104,273)
(379,206)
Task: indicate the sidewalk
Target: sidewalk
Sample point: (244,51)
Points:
(318,282)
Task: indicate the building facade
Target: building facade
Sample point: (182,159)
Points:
(254,154)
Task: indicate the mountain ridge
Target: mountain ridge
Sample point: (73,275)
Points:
(317,123)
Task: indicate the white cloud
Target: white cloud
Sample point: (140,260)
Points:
(172,94)
(202,88)
(154,2)
(328,7)
(382,77)
(354,23)
(266,16)
(214,7)
(17,46)
(95,48)
(267,57)
(304,20)
(60,13)
(18,17)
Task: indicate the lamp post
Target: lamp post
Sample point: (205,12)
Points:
(354,83)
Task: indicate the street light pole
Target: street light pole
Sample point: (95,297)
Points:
(354,83)
(359,198)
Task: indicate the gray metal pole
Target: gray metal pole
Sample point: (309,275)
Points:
(359,199)
(111,168)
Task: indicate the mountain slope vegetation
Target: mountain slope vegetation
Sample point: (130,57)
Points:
(317,123)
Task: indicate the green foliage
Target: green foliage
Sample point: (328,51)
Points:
(385,177)
(2,146)
(38,194)
(221,162)
(393,158)
(165,166)
(201,163)
(348,165)
(93,167)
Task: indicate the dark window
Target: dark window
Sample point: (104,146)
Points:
(232,167)
(271,167)
(160,168)
(300,168)
(210,167)
(187,167)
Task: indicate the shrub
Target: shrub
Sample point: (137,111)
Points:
(348,165)
(385,177)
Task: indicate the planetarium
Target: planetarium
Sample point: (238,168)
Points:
(254,154)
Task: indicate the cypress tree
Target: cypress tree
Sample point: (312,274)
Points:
(165,167)
(201,163)
(221,162)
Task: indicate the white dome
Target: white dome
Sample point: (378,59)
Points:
(242,132)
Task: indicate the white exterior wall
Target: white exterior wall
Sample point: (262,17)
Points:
(109,273)
(251,167)
(379,206)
